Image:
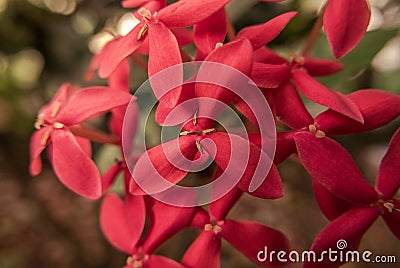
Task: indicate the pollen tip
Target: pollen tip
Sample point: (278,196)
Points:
(199,147)
(142,31)
(218,45)
(145,13)
(58,125)
(312,128)
(319,134)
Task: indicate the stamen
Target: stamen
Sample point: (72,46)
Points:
(45,138)
(142,31)
(208,131)
(58,125)
(218,45)
(55,109)
(215,228)
(318,133)
(195,118)
(145,13)
(199,147)
(389,206)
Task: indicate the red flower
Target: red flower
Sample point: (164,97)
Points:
(332,168)
(123,224)
(69,154)
(246,236)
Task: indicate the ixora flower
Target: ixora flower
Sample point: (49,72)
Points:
(123,223)
(246,236)
(58,126)
(376,106)
(343,26)
(335,172)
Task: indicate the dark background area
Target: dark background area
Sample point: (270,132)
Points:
(46,42)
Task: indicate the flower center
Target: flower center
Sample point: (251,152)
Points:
(214,226)
(136,260)
(317,133)
(146,14)
(388,206)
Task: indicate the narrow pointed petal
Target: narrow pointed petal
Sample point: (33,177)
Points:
(210,31)
(388,181)
(290,108)
(320,94)
(117,50)
(393,219)
(37,145)
(350,227)
(209,245)
(253,238)
(163,53)
(122,223)
(72,165)
(156,261)
(188,13)
(90,102)
(165,221)
(60,99)
(260,35)
(85,145)
(330,204)
(270,75)
(154,164)
(119,79)
(344,27)
(378,108)
(200,218)
(321,67)
(333,167)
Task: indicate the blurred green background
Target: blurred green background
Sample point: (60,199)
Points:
(46,42)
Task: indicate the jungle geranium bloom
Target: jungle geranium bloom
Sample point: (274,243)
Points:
(123,224)
(70,155)
(246,236)
(332,167)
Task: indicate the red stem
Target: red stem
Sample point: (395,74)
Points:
(94,135)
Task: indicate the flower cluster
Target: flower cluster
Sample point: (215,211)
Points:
(349,202)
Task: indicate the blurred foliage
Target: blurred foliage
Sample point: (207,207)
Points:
(44,43)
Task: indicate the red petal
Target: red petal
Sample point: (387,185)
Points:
(260,35)
(220,208)
(117,50)
(37,146)
(72,165)
(270,75)
(265,55)
(349,227)
(165,221)
(188,13)
(85,145)
(318,93)
(204,251)
(156,261)
(200,219)
(184,36)
(344,27)
(332,166)
(60,98)
(290,108)
(330,204)
(122,223)
(388,181)
(253,238)
(321,67)
(285,146)
(163,53)
(119,79)
(90,102)
(393,219)
(377,107)
(248,164)
(210,31)
(154,165)
(237,54)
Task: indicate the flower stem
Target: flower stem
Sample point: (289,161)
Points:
(315,31)
(230,29)
(94,135)
(139,61)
